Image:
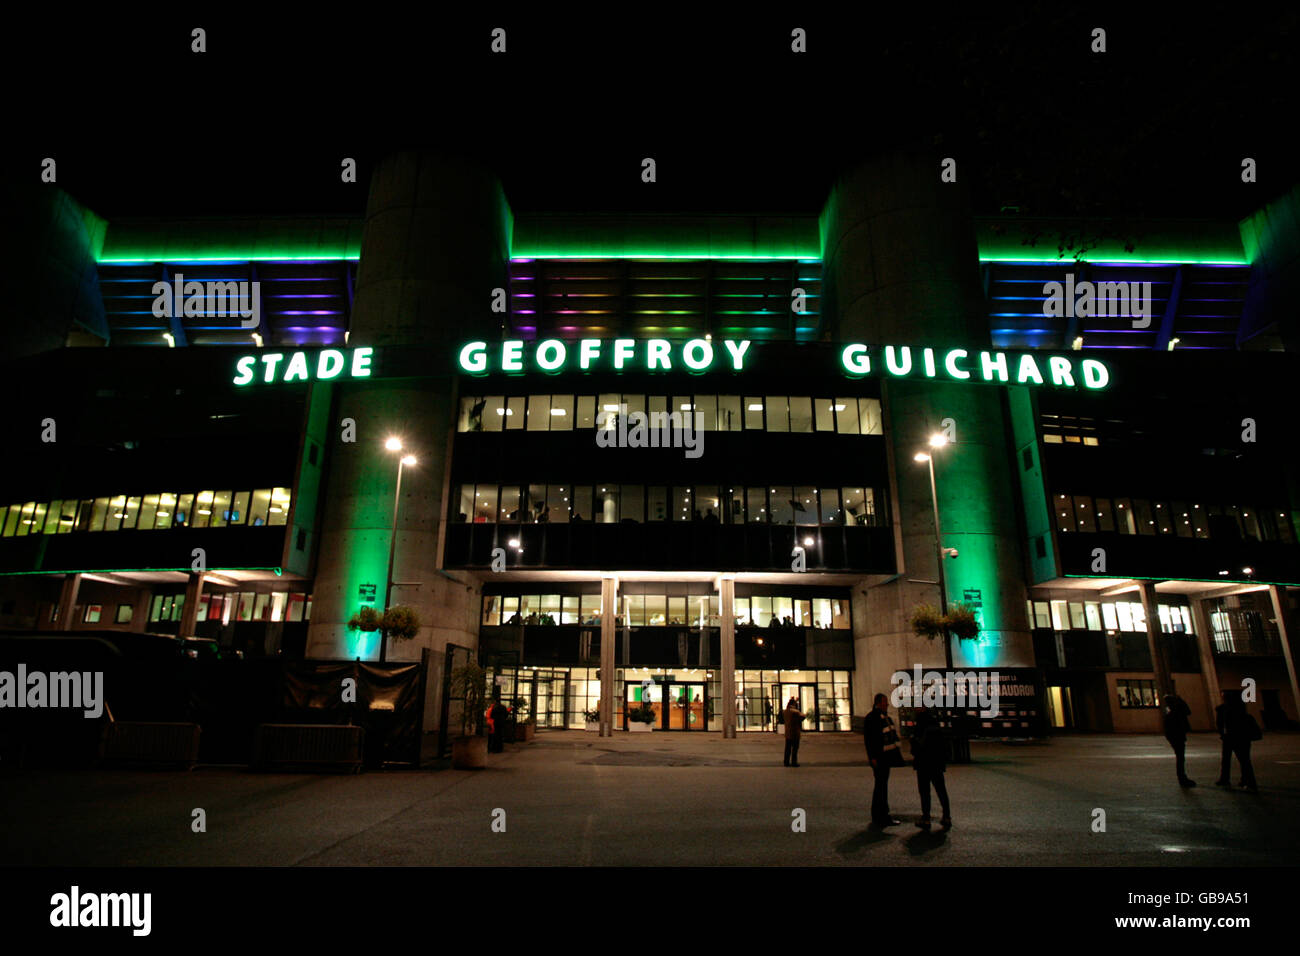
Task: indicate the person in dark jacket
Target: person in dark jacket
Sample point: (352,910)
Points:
(500,715)
(882,751)
(1236,729)
(792,719)
(1177,724)
(929,760)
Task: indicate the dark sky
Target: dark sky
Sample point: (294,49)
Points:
(1157,125)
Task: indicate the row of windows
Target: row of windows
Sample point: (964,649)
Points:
(723,413)
(1140,516)
(661,610)
(1135,694)
(1108,616)
(606,504)
(204,509)
(236,606)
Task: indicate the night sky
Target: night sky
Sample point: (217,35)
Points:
(1156,126)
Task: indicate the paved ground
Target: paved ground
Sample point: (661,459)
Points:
(673,799)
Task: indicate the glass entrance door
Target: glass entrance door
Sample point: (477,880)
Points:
(685,710)
(806,695)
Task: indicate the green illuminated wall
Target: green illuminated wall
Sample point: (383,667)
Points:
(1033,488)
(680,237)
(233,239)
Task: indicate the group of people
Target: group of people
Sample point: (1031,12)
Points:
(884,751)
(1237,730)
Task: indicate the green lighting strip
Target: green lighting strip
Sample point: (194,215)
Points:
(279,572)
(1108,259)
(238,257)
(1224,582)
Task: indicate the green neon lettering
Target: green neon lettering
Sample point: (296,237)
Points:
(556,351)
(1060,369)
(657,354)
(512,356)
(588,352)
(361,362)
(855,360)
(271,361)
(705,349)
(1028,370)
(245,368)
(1095,373)
(297,368)
(927,358)
(950,363)
(990,365)
(892,363)
(473,357)
(623,349)
(330,364)
(737,353)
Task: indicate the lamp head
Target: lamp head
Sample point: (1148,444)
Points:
(938,441)
(920,456)
(408,460)
(393,444)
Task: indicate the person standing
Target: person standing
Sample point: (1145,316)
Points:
(882,751)
(499,716)
(929,760)
(1236,729)
(793,719)
(1177,724)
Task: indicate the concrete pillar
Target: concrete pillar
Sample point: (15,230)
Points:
(727,590)
(435,246)
(190,612)
(608,613)
(901,266)
(1284,638)
(1205,642)
(68,601)
(1159,662)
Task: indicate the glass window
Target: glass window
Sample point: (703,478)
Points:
(824,412)
(607,410)
(1138,615)
(682,506)
(508,507)
(656,610)
(657,503)
(778,414)
(239,507)
(539,413)
(278,513)
(1084,517)
(1064,513)
(729,413)
(494,413)
(1105,515)
(1125,520)
(178,606)
(278,600)
(801,414)
(463,502)
(634,610)
(97,516)
(846,416)
(607,504)
(1059,619)
(1250,523)
(585,414)
(561,413)
(761,610)
(1077,621)
(821,612)
(550,608)
(634,403)
(756,504)
(1163,515)
(165,516)
(707,406)
(708,505)
(1109,617)
(1092,611)
(116,512)
(491,610)
(202,510)
(805,500)
(740,606)
(259,508)
(515,412)
(532,503)
(1182,518)
(1125,618)
(1042,615)
(261,607)
(753,414)
(510,610)
(803,613)
(632,503)
(869,416)
(840,615)
(570,607)
(734,506)
(485,504)
(93,612)
(582,510)
(590,609)
(45,518)
(856,510)
(1200,524)
(1142,516)
(830,506)
(297,601)
(783,610)
(220,509)
(67,516)
(557,504)
(470,407)
(782,504)
(677,611)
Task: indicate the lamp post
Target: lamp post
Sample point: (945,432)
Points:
(938,441)
(393,444)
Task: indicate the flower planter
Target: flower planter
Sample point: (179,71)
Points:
(469,753)
(593,726)
(636,727)
(524,733)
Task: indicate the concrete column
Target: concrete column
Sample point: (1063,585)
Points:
(727,589)
(608,609)
(1159,664)
(901,266)
(1205,641)
(68,601)
(190,612)
(1279,613)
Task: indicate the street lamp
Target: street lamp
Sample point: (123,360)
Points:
(938,441)
(393,444)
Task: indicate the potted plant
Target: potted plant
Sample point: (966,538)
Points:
(469,750)
(525,725)
(641,719)
(399,622)
(593,719)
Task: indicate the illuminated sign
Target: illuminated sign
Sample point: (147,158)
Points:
(265,368)
(555,355)
(1024,368)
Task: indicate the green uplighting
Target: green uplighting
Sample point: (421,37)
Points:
(186,569)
